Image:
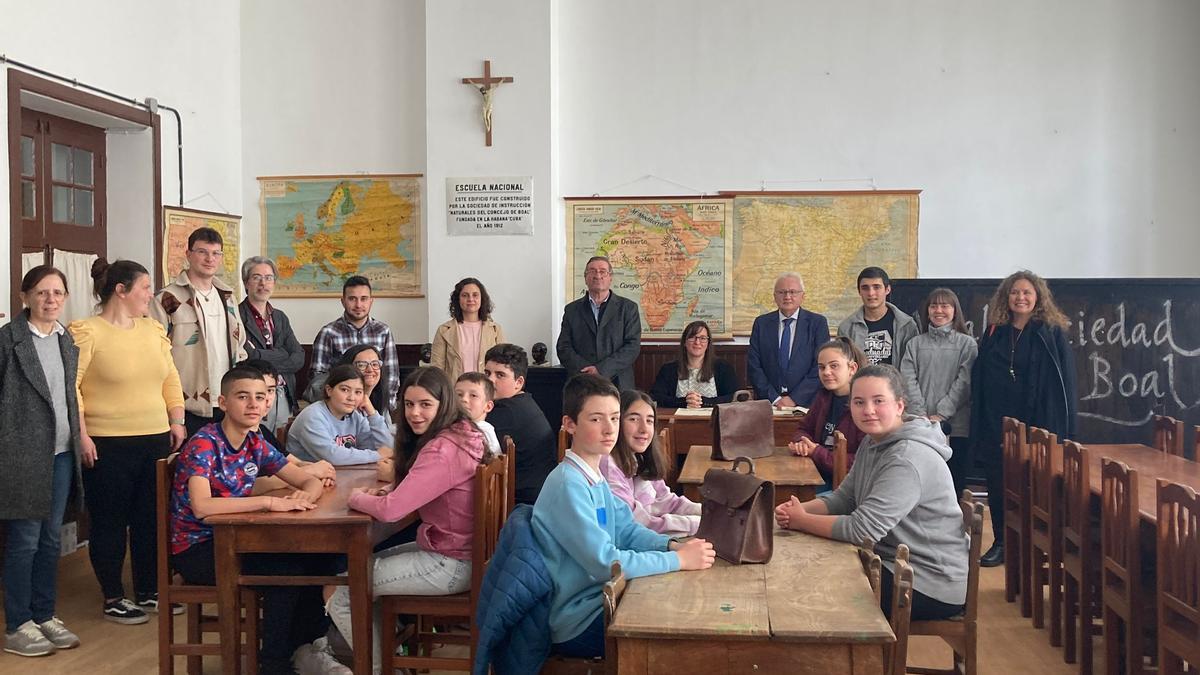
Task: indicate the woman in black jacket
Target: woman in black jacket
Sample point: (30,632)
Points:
(1025,370)
(39,460)
(697,379)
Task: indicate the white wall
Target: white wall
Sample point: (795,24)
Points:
(332,88)
(517,35)
(185,54)
(1059,136)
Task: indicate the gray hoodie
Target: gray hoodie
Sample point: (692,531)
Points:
(904,329)
(937,376)
(899,491)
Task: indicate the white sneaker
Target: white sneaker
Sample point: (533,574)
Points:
(27,640)
(317,659)
(56,632)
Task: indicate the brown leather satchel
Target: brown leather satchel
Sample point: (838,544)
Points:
(737,514)
(743,430)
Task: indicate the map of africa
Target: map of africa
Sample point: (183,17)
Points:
(319,231)
(827,238)
(670,257)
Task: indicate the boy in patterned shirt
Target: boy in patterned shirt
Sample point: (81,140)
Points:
(215,474)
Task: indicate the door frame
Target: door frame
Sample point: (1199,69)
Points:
(20,81)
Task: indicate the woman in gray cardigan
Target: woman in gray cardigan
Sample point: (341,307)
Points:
(39,460)
(937,374)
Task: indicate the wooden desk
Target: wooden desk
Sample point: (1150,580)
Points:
(692,430)
(792,475)
(1150,465)
(810,610)
(330,528)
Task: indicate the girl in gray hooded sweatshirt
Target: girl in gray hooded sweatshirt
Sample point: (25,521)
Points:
(899,491)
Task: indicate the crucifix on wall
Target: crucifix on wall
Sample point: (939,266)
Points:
(487,86)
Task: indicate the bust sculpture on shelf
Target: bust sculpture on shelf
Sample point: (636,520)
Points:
(539,353)
(426,353)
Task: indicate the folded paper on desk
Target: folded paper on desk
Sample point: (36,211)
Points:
(737,514)
(693,412)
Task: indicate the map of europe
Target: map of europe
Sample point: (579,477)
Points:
(668,256)
(321,231)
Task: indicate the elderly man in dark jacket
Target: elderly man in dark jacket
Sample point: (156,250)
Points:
(601,332)
(269,335)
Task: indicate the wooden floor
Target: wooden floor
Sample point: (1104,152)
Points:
(1008,643)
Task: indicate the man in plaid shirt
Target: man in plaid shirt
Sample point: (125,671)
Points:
(354,327)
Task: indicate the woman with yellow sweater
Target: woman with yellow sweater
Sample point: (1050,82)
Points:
(131,414)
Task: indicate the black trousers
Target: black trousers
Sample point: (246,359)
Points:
(924,608)
(120,496)
(292,615)
(993,470)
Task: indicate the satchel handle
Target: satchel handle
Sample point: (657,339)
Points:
(739,460)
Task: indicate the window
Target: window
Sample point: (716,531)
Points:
(62,184)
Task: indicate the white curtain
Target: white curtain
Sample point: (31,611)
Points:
(78,269)
(30,261)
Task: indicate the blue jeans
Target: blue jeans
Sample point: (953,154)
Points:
(587,645)
(31,563)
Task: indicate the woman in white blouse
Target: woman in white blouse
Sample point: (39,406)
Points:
(697,379)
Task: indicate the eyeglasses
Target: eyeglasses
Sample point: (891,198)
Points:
(788,292)
(208,254)
(364,366)
(262,277)
(698,338)
(597,273)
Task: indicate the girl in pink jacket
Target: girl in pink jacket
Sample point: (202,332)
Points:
(437,452)
(636,467)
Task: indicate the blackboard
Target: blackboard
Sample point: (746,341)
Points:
(1136,342)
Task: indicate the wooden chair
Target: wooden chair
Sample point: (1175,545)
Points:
(1178,578)
(564,442)
(896,655)
(1045,531)
(491,501)
(192,597)
(1120,570)
(872,566)
(510,451)
(1017,560)
(614,588)
(1168,435)
(841,459)
(960,632)
(1080,559)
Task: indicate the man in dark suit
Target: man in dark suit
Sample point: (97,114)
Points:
(782,362)
(601,332)
(269,336)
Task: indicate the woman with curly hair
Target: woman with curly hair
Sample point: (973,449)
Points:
(460,343)
(1025,370)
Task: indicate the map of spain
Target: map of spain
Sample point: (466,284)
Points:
(827,238)
(669,257)
(320,231)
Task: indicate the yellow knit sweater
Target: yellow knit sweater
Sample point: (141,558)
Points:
(127,380)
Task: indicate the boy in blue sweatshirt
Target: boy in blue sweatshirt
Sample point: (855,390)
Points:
(582,528)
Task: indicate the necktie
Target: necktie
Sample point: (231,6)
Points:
(785,345)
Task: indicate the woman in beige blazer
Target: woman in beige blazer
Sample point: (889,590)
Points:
(460,344)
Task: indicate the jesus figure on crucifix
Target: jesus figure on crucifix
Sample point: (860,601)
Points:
(487,86)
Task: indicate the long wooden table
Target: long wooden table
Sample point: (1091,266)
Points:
(689,430)
(809,610)
(332,527)
(1150,464)
(792,475)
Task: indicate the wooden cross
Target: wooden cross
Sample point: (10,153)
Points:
(487,85)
